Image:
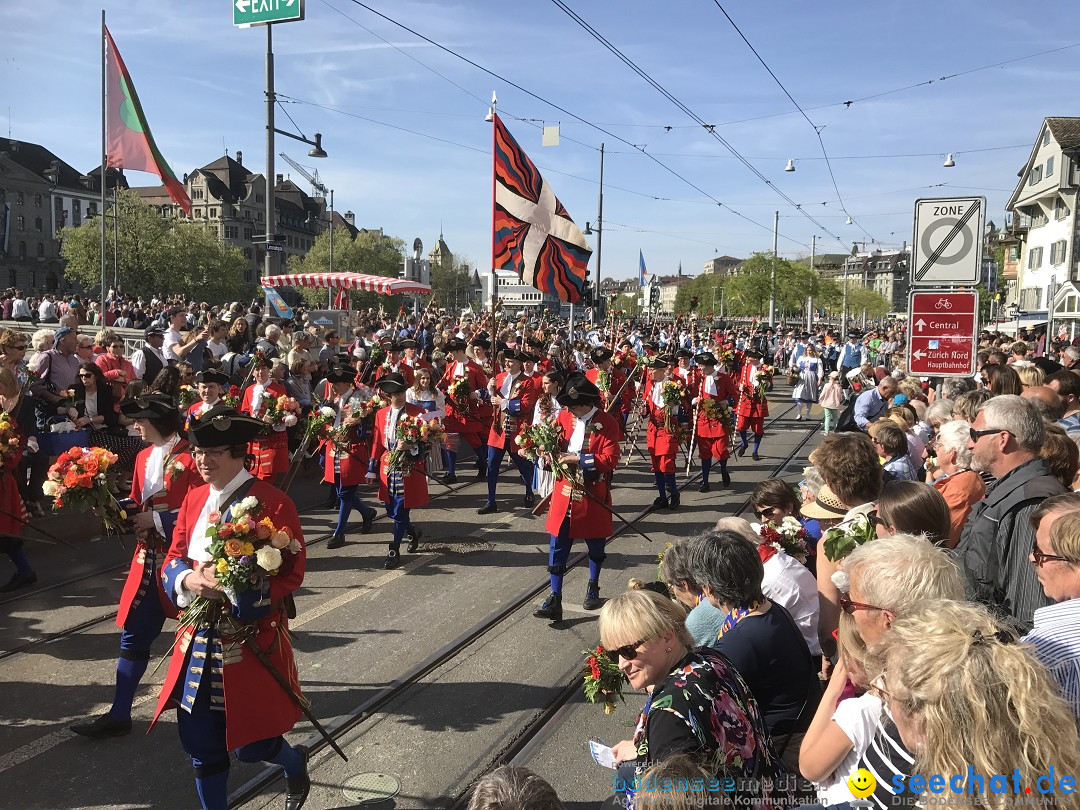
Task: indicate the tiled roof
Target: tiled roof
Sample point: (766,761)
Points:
(1066,131)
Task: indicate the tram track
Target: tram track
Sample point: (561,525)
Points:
(370,707)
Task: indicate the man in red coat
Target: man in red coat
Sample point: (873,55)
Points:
(345,463)
(610,380)
(589,453)
(512,394)
(403,487)
(271,448)
(226,697)
(411,359)
(662,436)
(753,407)
(467,417)
(164,473)
(713,433)
(394,364)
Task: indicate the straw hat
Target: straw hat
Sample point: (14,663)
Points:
(826,506)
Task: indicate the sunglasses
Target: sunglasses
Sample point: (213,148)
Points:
(21,348)
(978,434)
(850,607)
(768,510)
(629,652)
(1040,557)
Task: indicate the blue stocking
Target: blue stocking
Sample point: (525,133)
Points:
(659,477)
(129,671)
(757,441)
(742,436)
(451,461)
(558,555)
(596,558)
(706,466)
(212,784)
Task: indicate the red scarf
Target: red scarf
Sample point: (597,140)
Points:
(766,552)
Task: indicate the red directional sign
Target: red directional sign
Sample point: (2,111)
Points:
(941,333)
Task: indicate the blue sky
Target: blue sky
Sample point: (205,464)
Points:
(403,121)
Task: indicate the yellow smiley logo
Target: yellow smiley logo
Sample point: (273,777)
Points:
(861,783)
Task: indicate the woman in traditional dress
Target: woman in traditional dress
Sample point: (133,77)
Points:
(805,392)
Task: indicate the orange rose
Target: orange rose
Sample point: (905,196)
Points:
(234,548)
(264,528)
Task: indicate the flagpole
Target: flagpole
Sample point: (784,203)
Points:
(103,160)
(494,278)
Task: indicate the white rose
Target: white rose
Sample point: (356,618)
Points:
(289,420)
(294,546)
(790,522)
(268,558)
(327,411)
(841,580)
(49,488)
(246,506)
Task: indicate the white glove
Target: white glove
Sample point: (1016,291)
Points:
(370,476)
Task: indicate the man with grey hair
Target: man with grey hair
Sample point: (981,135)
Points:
(952,387)
(1070,358)
(873,404)
(1005,439)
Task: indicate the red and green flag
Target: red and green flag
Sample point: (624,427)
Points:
(131,144)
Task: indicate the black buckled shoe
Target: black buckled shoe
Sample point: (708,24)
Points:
(414,540)
(592,596)
(487,509)
(660,502)
(530,500)
(369,518)
(740,451)
(19,581)
(674,503)
(335,541)
(393,559)
(450,478)
(756,456)
(481,474)
(551,609)
(704,487)
(298,788)
(102,728)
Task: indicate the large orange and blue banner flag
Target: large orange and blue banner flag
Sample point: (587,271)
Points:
(533,234)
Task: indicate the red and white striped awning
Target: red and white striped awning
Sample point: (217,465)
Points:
(382,285)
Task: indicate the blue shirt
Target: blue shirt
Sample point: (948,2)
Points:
(869,407)
(1071,423)
(1056,639)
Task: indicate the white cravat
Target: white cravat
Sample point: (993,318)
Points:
(577,438)
(154,471)
(683,372)
(504,392)
(657,394)
(257,398)
(343,401)
(391,425)
(709,383)
(197,539)
(459,370)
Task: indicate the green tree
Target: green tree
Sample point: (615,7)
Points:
(862,299)
(748,292)
(452,283)
(154,255)
(369,253)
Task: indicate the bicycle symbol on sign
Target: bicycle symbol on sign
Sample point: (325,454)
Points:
(943,303)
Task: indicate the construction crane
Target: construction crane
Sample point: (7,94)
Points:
(320,187)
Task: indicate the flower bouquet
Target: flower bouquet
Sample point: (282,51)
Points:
(9,437)
(672,393)
(789,537)
(763,383)
(232,398)
(841,540)
(320,423)
(244,552)
(187,397)
(279,411)
(66,405)
(413,439)
(459,391)
(80,479)
(715,412)
(603,680)
(543,442)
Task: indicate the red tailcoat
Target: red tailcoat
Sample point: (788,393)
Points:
(256,707)
(714,435)
(416,492)
(751,403)
(587,518)
(176,488)
(353,462)
(271,451)
(14,510)
(417,364)
(402,368)
(473,417)
(690,376)
(616,378)
(505,426)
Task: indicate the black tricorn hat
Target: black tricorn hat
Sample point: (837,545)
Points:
(579,390)
(516,354)
(392,383)
(455,345)
(705,359)
(340,374)
(684,353)
(222,426)
(482,342)
(656,362)
(648,346)
(407,343)
(212,375)
(600,354)
(753,354)
(147,406)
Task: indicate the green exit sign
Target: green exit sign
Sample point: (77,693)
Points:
(262,12)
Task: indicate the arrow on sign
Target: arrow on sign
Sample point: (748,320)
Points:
(918,354)
(242,5)
(920,323)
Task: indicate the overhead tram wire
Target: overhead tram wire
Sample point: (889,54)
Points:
(791,98)
(690,113)
(578,118)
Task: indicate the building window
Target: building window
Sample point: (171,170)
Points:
(1061,210)
(196,194)
(248,234)
(1046,136)
(1014,253)
(33,278)
(22,252)
(1050,166)
(213,213)
(76,213)
(37,200)
(19,198)
(38,225)
(198,213)
(258,198)
(1035,257)
(40,254)
(1057,252)
(20,223)
(91,209)
(231,232)
(247,214)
